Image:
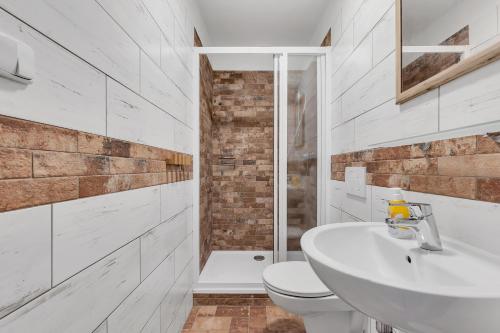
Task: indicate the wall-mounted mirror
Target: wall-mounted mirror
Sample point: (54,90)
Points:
(440,40)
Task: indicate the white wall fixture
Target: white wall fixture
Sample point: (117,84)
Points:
(17,60)
(355,178)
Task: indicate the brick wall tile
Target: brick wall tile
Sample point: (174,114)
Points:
(339,176)
(402,181)
(100,145)
(23,193)
(151,153)
(486,165)
(459,187)
(392,153)
(16,133)
(420,166)
(241,127)
(55,157)
(488,190)
(486,145)
(15,163)
(385,167)
(341,158)
(467,167)
(98,185)
(339,167)
(128,166)
(57,164)
(451,147)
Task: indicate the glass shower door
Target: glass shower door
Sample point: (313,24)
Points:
(300,103)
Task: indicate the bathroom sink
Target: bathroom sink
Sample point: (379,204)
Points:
(456,290)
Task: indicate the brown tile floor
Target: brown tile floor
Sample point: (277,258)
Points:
(242,319)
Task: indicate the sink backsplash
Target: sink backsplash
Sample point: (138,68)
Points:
(460,177)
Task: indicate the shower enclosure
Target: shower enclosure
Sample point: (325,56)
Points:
(280,121)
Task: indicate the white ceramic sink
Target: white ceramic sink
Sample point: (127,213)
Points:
(453,291)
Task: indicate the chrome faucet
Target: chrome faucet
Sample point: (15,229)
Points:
(422,222)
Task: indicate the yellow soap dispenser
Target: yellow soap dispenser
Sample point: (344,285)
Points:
(399,212)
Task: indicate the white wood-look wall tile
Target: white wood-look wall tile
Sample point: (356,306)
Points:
(342,48)
(183,138)
(159,89)
(136,20)
(65,92)
(65,308)
(163,15)
(354,68)
(187,304)
(161,241)
(349,9)
(390,122)
(357,206)
(379,204)
(336,110)
(368,16)
(337,190)
(172,66)
(343,137)
(472,222)
(88,229)
(472,99)
(103,328)
(180,12)
(25,256)
(171,304)
(132,118)
(375,89)
(335,215)
(154,323)
(176,325)
(183,255)
(134,312)
(102,43)
(184,49)
(384,37)
(175,197)
(349,218)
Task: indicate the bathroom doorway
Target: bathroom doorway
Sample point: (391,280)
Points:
(261,164)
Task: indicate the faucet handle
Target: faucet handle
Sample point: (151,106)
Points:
(418,211)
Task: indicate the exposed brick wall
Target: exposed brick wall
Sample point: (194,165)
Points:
(42,164)
(242,161)
(206,110)
(327,41)
(430,64)
(467,167)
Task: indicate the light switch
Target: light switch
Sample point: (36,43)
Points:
(355,178)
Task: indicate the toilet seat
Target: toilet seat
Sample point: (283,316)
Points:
(295,279)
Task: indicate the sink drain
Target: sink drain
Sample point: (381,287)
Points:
(259,258)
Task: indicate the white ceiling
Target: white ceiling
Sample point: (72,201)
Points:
(261,22)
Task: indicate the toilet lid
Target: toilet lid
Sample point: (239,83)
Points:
(295,278)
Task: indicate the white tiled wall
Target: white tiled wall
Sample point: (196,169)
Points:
(364,115)
(120,262)
(473,222)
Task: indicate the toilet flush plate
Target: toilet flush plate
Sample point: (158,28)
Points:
(355,178)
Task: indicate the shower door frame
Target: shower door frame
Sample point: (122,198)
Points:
(281,55)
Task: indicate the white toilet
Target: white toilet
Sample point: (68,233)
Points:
(296,288)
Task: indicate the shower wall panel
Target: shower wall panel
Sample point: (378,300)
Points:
(242,161)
